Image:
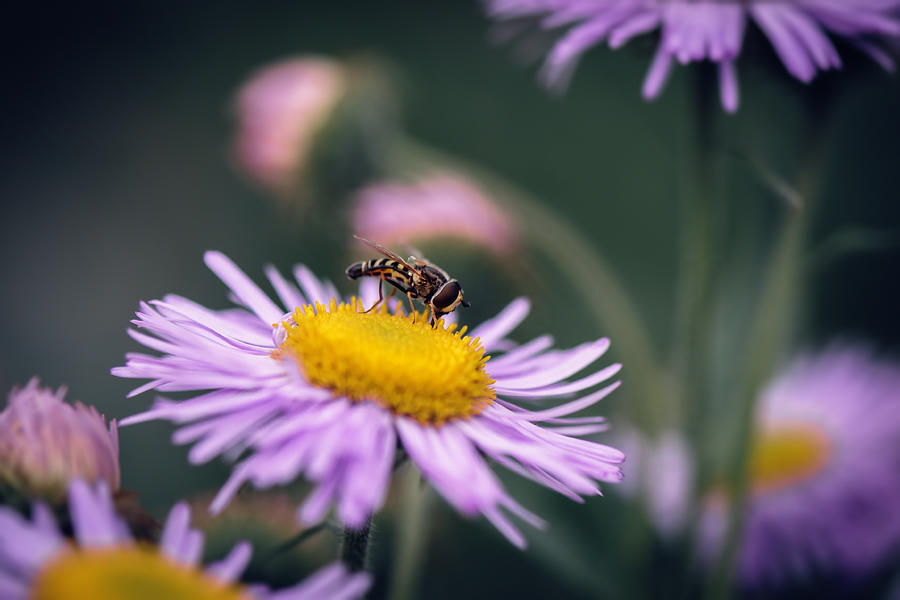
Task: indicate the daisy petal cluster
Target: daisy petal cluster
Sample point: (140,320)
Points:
(317,387)
(443,205)
(710,30)
(103,562)
(46,442)
(823,471)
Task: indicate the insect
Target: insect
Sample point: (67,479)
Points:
(415,277)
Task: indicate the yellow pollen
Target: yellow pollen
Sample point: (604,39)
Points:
(787,455)
(134,572)
(432,374)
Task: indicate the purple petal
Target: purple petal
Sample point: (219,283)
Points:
(24,546)
(312,287)
(290,296)
(175,530)
(576,360)
(333,582)
(728,86)
(247,291)
(771,19)
(658,74)
(230,568)
(94,518)
(492,331)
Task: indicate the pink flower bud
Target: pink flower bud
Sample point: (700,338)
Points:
(46,442)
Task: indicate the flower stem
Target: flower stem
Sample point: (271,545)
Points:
(696,279)
(412,537)
(769,332)
(298,539)
(607,303)
(355,546)
(777,306)
(698,250)
(698,245)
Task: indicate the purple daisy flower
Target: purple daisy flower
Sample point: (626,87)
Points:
(330,392)
(45,443)
(38,563)
(823,472)
(713,30)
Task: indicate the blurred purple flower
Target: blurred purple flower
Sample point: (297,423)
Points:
(824,472)
(45,443)
(38,563)
(331,393)
(713,30)
(660,473)
(280,110)
(443,205)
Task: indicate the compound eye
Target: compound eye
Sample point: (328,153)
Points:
(447,297)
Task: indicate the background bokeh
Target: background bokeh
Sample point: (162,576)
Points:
(116,176)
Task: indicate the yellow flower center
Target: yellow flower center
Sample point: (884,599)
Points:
(432,374)
(133,572)
(787,455)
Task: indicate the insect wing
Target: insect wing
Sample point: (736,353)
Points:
(388,253)
(414,253)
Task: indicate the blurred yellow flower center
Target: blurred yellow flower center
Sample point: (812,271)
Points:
(787,455)
(133,572)
(431,374)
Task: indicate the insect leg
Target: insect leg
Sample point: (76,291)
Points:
(380,297)
(411,307)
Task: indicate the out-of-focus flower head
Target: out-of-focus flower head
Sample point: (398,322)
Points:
(45,443)
(660,473)
(330,391)
(280,111)
(710,30)
(105,563)
(440,206)
(824,471)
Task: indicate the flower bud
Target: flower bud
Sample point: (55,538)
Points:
(280,111)
(440,206)
(45,443)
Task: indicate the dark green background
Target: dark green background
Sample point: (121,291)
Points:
(116,178)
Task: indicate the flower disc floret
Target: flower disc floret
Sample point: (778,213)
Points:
(127,572)
(788,456)
(432,374)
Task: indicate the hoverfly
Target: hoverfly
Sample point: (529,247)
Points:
(415,277)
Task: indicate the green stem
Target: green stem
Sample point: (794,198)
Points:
(698,247)
(299,538)
(413,535)
(355,546)
(772,324)
(606,302)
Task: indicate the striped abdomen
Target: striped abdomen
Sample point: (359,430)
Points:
(384,268)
